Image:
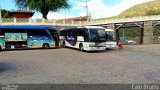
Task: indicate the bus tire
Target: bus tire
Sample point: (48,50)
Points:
(64,45)
(81,48)
(45,46)
(0,48)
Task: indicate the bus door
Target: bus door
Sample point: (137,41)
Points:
(55,36)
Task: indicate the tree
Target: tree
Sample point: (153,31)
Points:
(43,6)
(5,13)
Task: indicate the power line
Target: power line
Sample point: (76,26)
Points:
(0,12)
(87,11)
(87,8)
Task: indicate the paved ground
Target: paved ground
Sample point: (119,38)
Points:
(134,64)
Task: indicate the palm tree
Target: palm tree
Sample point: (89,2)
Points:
(5,13)
(43,6)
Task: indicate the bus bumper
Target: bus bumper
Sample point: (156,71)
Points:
(95,48)
(111,46)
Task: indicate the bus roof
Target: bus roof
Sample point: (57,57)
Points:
(26,27)
(92,27)
(99,27)
(109,30)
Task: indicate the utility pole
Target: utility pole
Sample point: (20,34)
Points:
(87,13)
(86,7)
(0,13)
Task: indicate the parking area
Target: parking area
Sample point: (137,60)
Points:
(133,64)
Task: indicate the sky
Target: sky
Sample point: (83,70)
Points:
(96,8)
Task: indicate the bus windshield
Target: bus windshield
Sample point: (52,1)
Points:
(110,35)
(97,35)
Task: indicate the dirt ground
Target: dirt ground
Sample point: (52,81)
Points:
(133,64)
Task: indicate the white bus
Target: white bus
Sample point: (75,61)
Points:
(86,38)
(111,42)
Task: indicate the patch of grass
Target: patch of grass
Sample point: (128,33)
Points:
(145,9)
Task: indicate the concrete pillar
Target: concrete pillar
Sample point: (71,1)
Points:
(141,37)
(43,21)
(111,26)
(15,21)
(30,21)
(148,33)
(0,21)
(54,21)
(80,22)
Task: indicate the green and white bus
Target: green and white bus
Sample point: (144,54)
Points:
(28,36)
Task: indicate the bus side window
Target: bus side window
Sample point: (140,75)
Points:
(52,31)
(69,33)
(41,32)
(31,32)
(86,35)
(1,32)
(64,33)
(80,32)
(6,30)
(107,35)
(72,32)
(19,31)
(37,32)
(75,32)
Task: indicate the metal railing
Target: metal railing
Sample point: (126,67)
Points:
(30,21)
(124,20)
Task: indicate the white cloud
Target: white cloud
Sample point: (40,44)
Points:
(80,5)
(56,15)
(98,9)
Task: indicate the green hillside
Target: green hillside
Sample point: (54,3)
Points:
(145,9)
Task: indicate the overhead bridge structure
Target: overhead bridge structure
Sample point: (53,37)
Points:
(146,23)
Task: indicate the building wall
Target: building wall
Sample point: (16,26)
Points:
(21,15)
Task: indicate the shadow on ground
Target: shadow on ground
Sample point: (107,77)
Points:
(100,51)
(6,66)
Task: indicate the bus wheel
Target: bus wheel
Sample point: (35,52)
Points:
(0,48)
(81,47)
(45,46)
